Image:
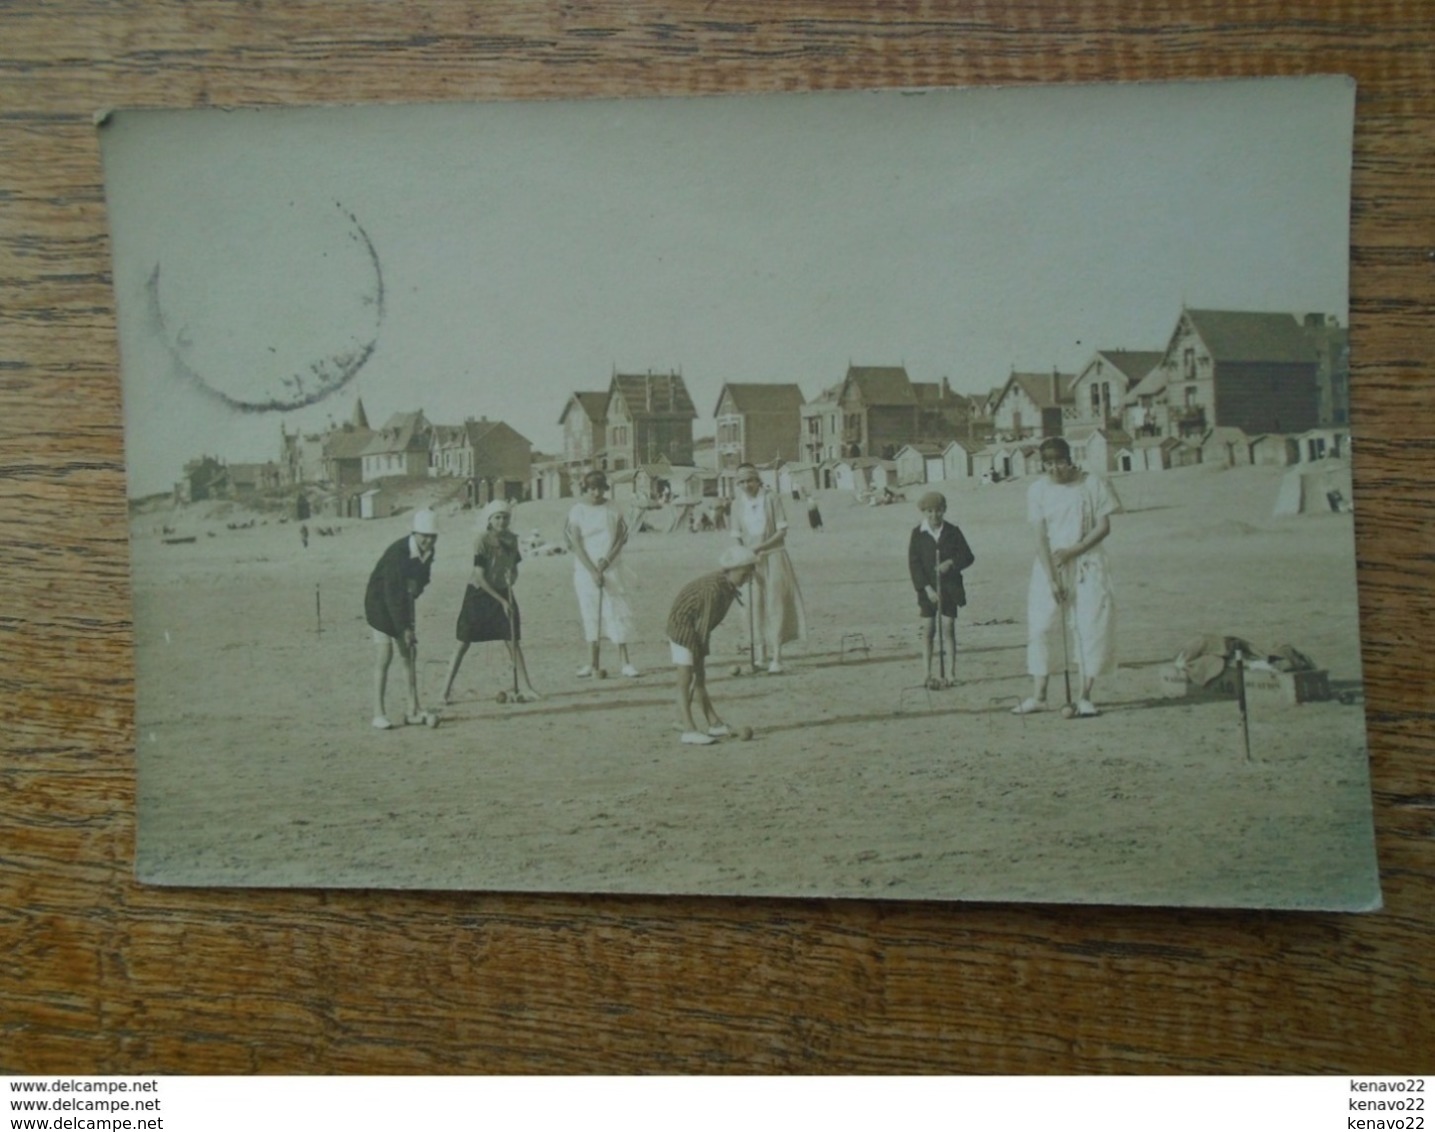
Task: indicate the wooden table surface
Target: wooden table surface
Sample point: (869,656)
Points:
(102,976)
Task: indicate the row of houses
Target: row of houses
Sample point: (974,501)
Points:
(1223,377)
(1240,376)
(490,458)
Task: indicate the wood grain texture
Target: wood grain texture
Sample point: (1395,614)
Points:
(101,975)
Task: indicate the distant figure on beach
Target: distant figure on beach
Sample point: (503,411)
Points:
(759,524)
(390,607)
(814,513)
(596,534)
(937,553)
(697,610)
(490,612)
(1070,512)
(304,534)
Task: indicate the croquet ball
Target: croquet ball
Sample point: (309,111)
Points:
(737,670)
(602,674)
(431,719)
(746,732)
(1067,711)
(503,697)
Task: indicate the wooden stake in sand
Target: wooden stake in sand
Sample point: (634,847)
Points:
(318,617)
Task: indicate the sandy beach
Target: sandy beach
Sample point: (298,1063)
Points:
(258,765)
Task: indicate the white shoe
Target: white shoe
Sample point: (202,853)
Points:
(585,671)
(720,731)
(1028,706)
(698,739)
(629,670)
(1087,708)
(382,723)
(775,668)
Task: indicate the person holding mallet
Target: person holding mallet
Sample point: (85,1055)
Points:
(596,534)
(390,607)
(490,611)
(937,553)
(759,524)
(697,610)
(1070,513)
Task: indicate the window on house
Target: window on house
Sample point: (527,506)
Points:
(1188,359)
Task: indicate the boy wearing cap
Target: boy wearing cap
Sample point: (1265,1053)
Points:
(937,553)
(400,576)
(697,610)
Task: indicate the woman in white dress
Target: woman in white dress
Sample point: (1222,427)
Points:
(759,524)
(596,534)
(1070,512)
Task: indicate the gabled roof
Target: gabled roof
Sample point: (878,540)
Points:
(594,405)
(445,435)
(757,397)
(922,448)
(654,393)
(971,447)
(879,385)
(476,431)
(1133,365)
(1252,336)
(827,397)
(1046,390)
(1150,385)
(402,432)
(347,443)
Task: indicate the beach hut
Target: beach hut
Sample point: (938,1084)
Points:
(1316,487)
(1273,449)
(919,463)
(1024,460)
(855,474)
(1096,449)
(1225,446)
(377,502)
(1155,453)
(798,477)
(959,460)
(1323,443)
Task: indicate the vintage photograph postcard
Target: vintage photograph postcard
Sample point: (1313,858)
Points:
(918,495)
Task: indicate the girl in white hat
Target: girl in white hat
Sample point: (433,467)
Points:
(489,611)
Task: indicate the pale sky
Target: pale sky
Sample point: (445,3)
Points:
(526,249)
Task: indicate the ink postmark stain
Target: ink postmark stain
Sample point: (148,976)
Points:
(274,311)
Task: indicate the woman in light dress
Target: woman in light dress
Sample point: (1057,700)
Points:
(758,523)
(1070,512)
(596,534)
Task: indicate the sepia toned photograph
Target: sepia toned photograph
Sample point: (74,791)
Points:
(913,495)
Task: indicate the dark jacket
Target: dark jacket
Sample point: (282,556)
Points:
(922,561)
(394,587)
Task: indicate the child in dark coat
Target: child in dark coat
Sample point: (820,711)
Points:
(936,556)
(390,599)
